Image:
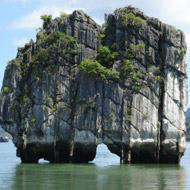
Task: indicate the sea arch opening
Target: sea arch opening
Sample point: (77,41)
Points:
(105,157)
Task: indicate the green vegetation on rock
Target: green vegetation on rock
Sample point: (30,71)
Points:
(64,15)
(134,48)
(50,104)
(57,46)
(131,19)
(95,69)
(14,62)
(145,116)
(126,68)
(136,88)
(33,120)
(106,57)
(25,97)
(182,54)
(41,35)
(46,20)
(6,89)
(128,118)
(100,68)
(153,70)
(88,106)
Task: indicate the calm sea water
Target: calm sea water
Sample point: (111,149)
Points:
(104,173)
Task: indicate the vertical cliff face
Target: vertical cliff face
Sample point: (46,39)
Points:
(59,102)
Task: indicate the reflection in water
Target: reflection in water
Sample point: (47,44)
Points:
(90,176)
(105,174)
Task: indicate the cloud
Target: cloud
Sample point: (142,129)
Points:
(173,12)
(33,20)
(22,1)
(178,14)
(25,1)
(20,42)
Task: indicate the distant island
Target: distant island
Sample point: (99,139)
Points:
(187,123)
(4,139)
(4,136)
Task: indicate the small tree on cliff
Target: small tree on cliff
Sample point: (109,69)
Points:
(106,57)
(46,20)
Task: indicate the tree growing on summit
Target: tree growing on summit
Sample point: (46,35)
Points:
(46,20)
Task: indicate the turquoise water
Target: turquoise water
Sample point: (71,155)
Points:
(104,173)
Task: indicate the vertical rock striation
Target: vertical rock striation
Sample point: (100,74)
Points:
(56,111)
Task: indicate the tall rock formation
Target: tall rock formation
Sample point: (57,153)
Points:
(123,84)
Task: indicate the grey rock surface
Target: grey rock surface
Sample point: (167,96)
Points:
(61,114)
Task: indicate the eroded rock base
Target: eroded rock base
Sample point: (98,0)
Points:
(61,154)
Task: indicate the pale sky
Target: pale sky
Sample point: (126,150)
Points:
(19,19)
